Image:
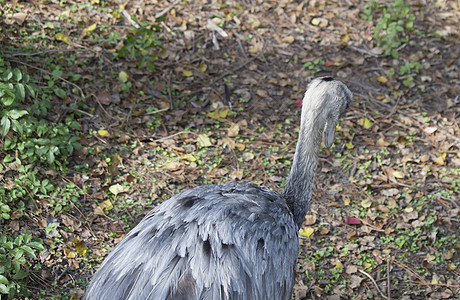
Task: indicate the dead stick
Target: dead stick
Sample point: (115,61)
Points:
(388,280)
(375,283)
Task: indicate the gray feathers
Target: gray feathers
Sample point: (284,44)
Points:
(231,241)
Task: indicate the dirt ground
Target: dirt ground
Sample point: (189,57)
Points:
(223,104)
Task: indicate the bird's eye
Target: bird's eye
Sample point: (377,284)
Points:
(327,78)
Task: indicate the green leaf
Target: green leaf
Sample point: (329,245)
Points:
(30,90)
(60,93)
(7,75)
(36,245)
(20,91)
(18,240)
(5,208)
(17,74)
(17,127)
(17,252)
(5,126)
(57,73)
(50,157)
(3,279)
(4,289)
(16,114)
(27,250)
(21,275)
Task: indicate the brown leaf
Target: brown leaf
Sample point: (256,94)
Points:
(355,281)
(310,220)
(104,97)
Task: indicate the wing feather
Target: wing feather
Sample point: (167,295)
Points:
(231,241)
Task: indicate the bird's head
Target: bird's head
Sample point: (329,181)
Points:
(329,98)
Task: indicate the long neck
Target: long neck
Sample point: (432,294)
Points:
(300,183)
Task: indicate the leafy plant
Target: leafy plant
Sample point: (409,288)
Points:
(393,26)
(314,65)
(13,264)
(35,138)
(141,43)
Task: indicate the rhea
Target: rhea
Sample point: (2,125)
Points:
(231,241)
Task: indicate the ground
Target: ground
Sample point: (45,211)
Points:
(218,99)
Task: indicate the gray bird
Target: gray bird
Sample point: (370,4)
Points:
(231,241)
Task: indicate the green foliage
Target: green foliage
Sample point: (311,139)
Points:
(314,65)
(27,139)
(142,43)
(393,26)
(13,263)
(35,139)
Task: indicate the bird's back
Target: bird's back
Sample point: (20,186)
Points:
(230,241)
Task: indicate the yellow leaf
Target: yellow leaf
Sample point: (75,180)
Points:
(203,140)
(382,79)
(117,189)
(237,174)
(116,14)
(398,174)
(345,37)
(440,160)
(240,146)
(95,2)
(306,231)
(315,21)
(172,166)
(349,145)
(106,205)
(430,257)
(338,265)
(367,265)
(61,37)
(188,157)
(69,253)
(202,67)
(103,132)
(98,211)
(229,142)
(346,201)
(382,142)
(91,28)
(219,113)
(366,203)
(254,49)
(233,130)
(365,123)
(80,246)
(187,73)
(123,76)
(289,39)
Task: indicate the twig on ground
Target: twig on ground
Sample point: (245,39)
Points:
(375,283)
(388,280)
(167,9)
(45,51)
(157,111)
(131,21)
(364,51)
(102,107)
